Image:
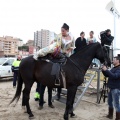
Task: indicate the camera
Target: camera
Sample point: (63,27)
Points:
(106,38)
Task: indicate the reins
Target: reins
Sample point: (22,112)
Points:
(83,72)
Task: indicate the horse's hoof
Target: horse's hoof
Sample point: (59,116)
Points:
(66,117)
(51,106)
(72,115)
(31,116)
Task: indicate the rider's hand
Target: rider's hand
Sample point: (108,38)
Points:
(67,52)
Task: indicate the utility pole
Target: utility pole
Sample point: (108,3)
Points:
(114,41)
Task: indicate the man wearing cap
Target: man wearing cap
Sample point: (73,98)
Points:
(15,69)
(114,87)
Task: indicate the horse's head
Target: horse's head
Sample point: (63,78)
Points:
(102,55)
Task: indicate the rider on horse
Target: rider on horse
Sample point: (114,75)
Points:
(63,43)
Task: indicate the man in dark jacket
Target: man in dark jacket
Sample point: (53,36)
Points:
(114,88)
(80,42)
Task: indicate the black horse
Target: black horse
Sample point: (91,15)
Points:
(40,71)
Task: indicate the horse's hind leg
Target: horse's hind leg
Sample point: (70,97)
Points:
(71,111)
(69,104)
(26,97)
(23,103)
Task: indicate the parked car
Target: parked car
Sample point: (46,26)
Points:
(5,67)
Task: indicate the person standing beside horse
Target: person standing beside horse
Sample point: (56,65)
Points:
(114,88)
(15,69)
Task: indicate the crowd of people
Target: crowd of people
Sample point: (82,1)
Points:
(66,44)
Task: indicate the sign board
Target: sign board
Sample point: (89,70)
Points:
(111,8)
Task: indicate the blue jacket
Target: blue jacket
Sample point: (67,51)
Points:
(113,77)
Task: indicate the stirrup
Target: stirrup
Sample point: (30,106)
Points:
(57,84)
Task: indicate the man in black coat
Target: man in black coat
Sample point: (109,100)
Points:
(80,42)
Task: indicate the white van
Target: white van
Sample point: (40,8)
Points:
(5,67)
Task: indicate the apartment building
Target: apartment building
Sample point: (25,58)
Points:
(9,46)
(43,38)
(30,43)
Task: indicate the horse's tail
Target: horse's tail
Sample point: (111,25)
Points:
(19,89)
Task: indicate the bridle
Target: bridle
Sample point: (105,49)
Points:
(81,70)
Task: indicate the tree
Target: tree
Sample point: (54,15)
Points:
(23,48)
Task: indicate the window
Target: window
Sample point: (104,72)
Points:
(2,60)
(10,61)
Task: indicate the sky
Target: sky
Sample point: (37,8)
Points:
(21,18)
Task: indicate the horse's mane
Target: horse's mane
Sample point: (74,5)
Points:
(84,48)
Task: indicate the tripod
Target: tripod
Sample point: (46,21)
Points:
(104,92)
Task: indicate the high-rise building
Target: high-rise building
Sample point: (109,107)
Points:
(9,45)
(43,38)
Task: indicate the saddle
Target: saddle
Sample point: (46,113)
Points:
(57,63)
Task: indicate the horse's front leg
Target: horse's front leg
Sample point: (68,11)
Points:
(71,91)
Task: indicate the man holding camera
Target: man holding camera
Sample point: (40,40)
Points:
(114,87)
(106,39)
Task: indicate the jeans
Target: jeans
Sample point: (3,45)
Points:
(114,99)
